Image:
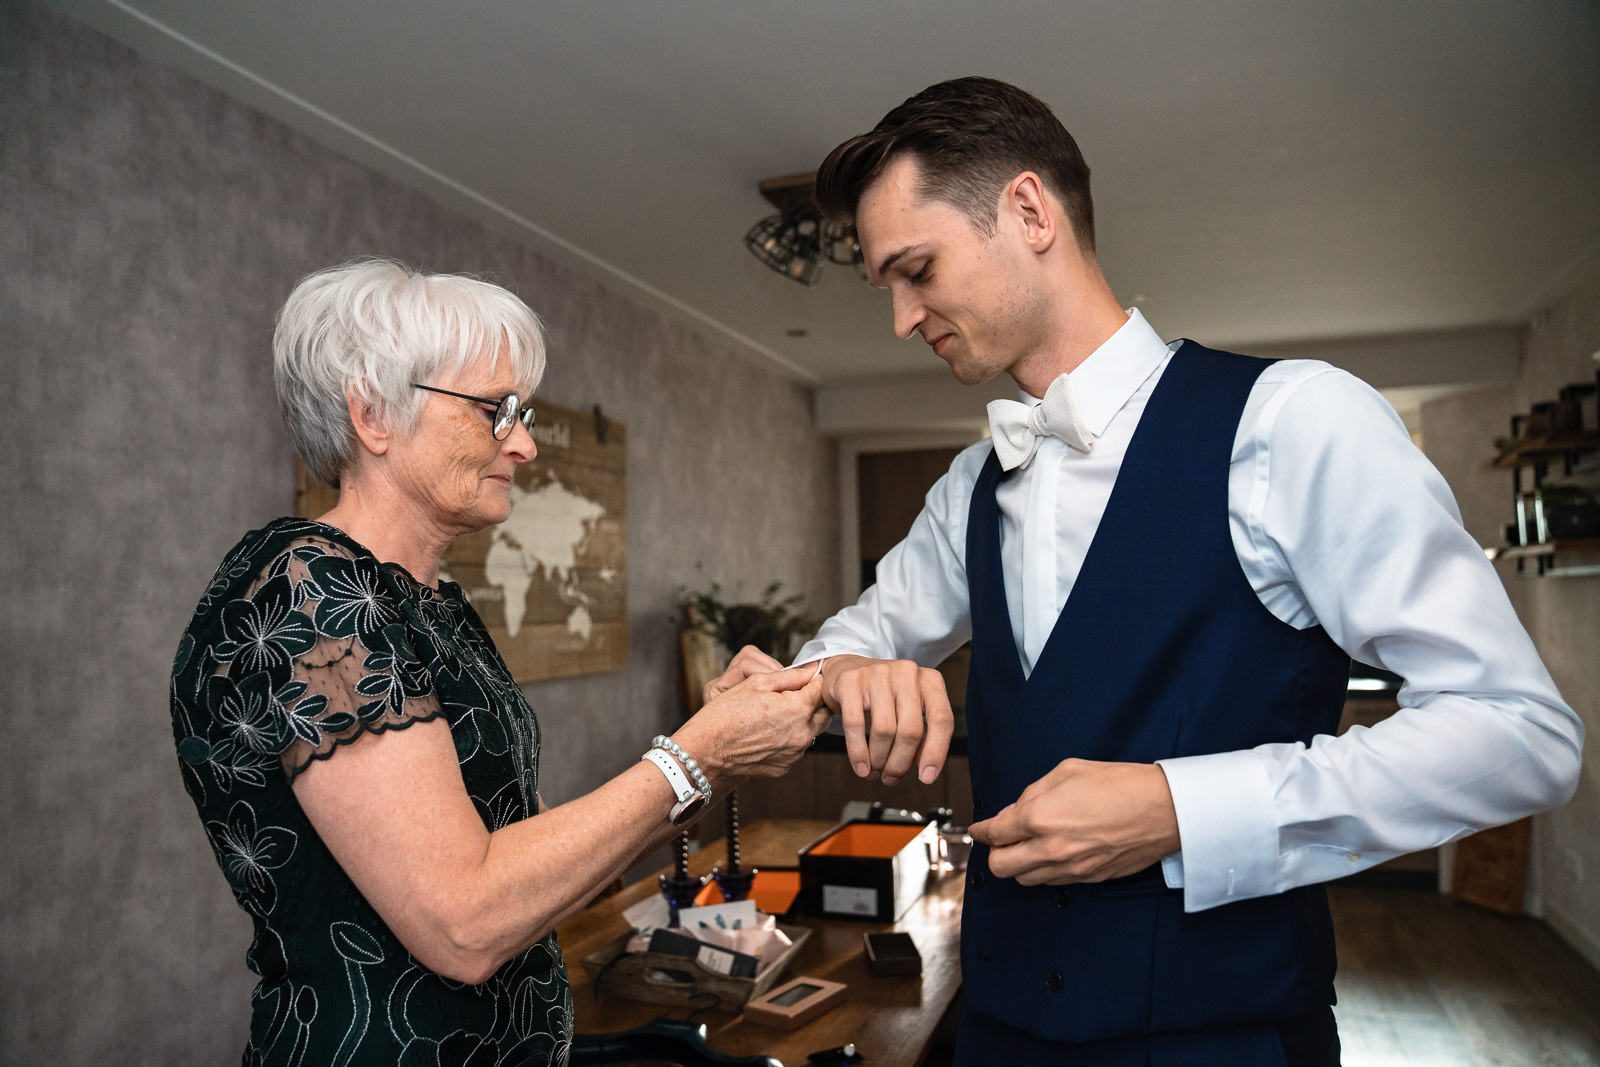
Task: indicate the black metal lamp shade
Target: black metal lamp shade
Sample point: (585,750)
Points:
(790,243)
(841,246)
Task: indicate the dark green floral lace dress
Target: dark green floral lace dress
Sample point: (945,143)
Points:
(302,643)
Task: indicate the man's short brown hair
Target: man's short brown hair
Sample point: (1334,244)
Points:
(970,137)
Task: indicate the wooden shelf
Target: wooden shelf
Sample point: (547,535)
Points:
(1535,445)
(1546,556)
(1549,548)
(1544,448)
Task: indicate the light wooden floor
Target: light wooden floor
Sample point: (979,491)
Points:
(1425,982)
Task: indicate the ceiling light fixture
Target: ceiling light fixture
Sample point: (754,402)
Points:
(795,241)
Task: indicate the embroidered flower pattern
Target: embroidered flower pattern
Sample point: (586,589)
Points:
(301,643)
(249,854)
(247,712)
(264,633)
(394,675)
(353,602)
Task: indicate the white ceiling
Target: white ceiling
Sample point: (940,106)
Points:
(1265,171)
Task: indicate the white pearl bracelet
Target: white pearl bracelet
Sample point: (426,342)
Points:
(698,776)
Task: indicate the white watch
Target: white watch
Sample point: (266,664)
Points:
(690,799)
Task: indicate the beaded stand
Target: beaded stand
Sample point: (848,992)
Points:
(680,887)
(732,880)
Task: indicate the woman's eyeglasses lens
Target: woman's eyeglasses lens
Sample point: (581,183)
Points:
(508,413)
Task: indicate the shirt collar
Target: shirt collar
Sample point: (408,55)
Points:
(1107,380)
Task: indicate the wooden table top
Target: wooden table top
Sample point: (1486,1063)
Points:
(890,1020)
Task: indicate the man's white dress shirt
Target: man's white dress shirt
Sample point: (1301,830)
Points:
(1338,520)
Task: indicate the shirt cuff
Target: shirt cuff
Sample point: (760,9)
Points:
(818,648)
(1227,826)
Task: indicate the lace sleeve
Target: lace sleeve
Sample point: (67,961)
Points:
(329,628)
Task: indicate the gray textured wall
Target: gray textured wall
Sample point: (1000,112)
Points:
(149,228)
(1562,615)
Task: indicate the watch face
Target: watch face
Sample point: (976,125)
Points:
(688,809)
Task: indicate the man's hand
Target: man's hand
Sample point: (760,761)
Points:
(896,715)
(1083,822)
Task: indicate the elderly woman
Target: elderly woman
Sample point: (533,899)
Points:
(366,769)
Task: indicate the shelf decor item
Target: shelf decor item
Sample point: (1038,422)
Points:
(1553,454)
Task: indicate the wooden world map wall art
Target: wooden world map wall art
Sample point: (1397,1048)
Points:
(551,582)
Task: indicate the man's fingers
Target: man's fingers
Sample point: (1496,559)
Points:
(1084,821)
(908,724)
(1014,861)
(1013,851)
(881,731)
(1004,828)
(853,716)
(939,723)
(881,706)
(1030,867)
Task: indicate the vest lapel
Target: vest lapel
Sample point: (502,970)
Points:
(991,615)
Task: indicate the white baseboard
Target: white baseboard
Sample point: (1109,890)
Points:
(1588,947)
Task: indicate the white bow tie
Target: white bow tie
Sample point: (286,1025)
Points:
(1017,428)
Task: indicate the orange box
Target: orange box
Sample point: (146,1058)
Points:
(864,870)
(773,890)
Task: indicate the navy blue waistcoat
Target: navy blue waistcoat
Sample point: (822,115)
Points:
(1162,650)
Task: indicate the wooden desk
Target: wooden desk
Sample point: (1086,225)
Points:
(891,1020)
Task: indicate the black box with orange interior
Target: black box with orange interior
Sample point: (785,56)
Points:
(866,870)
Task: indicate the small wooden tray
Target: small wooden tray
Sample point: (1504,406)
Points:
(795,1003)
(626,976)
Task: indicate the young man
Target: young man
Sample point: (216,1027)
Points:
(1164,557)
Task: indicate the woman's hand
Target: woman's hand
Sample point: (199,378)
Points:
(757,727)
(748,661)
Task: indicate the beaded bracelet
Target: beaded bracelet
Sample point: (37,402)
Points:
(695,773)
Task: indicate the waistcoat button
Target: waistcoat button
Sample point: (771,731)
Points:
(977,805)
(1052,981)
(975,878)
(1064,898)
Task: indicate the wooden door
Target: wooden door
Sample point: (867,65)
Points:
(1491,867)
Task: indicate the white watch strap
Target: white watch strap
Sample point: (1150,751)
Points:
(675,776)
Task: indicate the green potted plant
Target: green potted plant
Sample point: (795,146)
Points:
(771,624)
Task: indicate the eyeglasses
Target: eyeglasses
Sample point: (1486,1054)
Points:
(508,410)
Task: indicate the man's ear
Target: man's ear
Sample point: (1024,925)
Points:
(1039,216)
(371,431)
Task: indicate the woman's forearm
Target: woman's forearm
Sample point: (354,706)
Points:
(393,811)
(547,868)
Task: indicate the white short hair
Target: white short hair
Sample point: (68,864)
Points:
(375,326)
